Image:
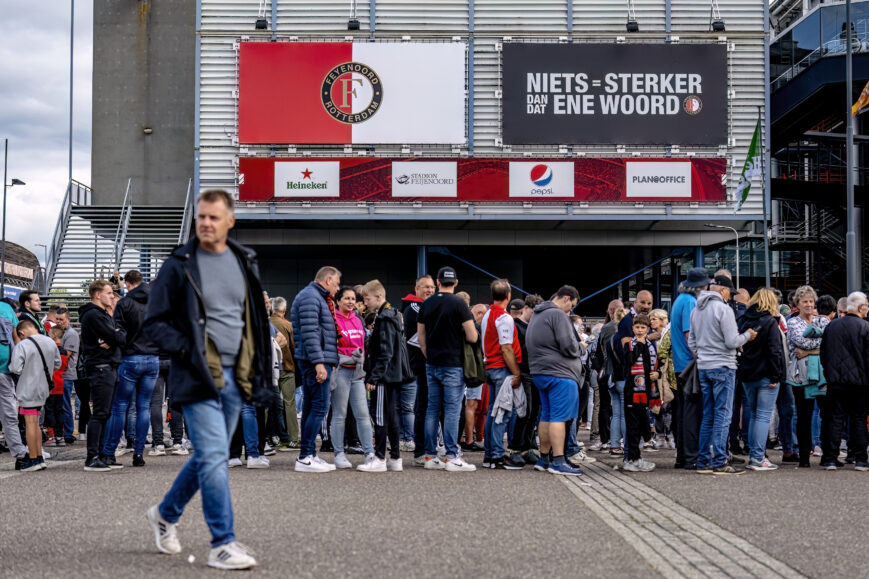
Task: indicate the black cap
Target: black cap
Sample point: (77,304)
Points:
(447,274)
(517,304)
(724,281)
(697,277)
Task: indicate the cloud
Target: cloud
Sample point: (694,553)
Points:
(34,110)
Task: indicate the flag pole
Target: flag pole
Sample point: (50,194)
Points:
(766,201)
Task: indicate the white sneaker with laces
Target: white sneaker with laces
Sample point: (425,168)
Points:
(434,463)
(45,454)
(268,450)
(817,451)
(158,450)
(596,445)
(234,462)
(582,457)
(122,450)
(374,465)
(394,465)
(231,556)
(341,461)
(324,463)
(641,465)
(459,465)
(179,450)
(164,532)
(310,464)
(258,462)
(419,461)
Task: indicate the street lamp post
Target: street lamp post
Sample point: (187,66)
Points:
(3,250)
(44,285)
(736,233)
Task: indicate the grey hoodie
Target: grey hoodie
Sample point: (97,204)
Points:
(553,347)
(714,336)
(33,387)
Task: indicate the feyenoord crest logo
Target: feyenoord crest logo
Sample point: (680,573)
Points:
(693,104)
(352,92)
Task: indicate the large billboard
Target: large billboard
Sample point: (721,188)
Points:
(355,179)
(347,92)
(628,94)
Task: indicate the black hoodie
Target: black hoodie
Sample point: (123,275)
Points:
(129,319)
(764,356)
(97,325)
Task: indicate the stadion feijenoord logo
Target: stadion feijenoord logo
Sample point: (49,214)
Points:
(351,92)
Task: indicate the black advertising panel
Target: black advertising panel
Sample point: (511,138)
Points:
(631,94)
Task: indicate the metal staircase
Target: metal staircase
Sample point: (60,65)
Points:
(92,241)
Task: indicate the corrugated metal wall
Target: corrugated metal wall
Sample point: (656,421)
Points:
(485,24)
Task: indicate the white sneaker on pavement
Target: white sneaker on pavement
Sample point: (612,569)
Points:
(165,535)
(582,457)
(158,450)
(234,462)
(640,465)
(323,462)
(179,450)
(419,461)
(231,556)
(459,465)
(374,465)
(341,461)
(309,464)
(258,462)
(434,463)
(122,450)
(394,465)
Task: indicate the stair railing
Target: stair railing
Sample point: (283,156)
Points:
(76,194)
(123,225)
(186,218)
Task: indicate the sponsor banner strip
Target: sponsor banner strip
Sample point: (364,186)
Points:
(603,180)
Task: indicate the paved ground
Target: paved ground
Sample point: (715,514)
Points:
(426,524)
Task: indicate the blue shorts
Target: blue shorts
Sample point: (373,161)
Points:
(474,393)
(559,398)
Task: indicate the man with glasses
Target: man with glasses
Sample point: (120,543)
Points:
(71,343)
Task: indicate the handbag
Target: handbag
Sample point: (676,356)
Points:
(691,377)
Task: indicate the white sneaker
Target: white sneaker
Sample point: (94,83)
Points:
(179,450)
(323,462)
(817,451)
(186,444)
(310,464)
(375,465)
(459,465)
(640,465)
(268,450)
(45,454)
(419,461)
(434,463)
(231,556)
(765,464)
(122,450)
(442,451)
(394,465)
(258,462)
(409,446)
(341,461)
(158,450)
(596,446)
(164,532)
(234,462)
(582,457)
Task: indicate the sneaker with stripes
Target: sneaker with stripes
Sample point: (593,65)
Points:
(231,556)
(164,532)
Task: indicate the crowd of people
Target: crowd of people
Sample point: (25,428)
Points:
(724,375)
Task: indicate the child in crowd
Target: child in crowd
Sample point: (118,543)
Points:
(641,372)
(34,358)
(54,406)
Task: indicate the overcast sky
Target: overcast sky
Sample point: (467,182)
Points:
(34,110)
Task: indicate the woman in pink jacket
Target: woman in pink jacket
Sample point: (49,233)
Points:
(348,381)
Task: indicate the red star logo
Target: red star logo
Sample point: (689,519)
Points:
(306,174)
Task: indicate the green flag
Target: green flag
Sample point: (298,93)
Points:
(753,168)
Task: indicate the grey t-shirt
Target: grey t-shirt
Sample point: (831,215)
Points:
(223,291)
(71,343)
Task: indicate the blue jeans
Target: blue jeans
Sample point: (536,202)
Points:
(494,433)
(617,422)
(716,385)
(352,391)
(408,399)
(446,387)
(760,399)
(315,406)
(210,425)
(68,414)
(816,426)
(786,411)
(136,374)
(571,446)
(250,430)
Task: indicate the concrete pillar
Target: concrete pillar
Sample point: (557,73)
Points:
(421,261)
(699,255)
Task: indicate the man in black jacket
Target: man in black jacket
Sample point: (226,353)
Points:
(387,367)
(99,346)
(423,290)
(845,359)
(140,366)
(206,308)
(31,305)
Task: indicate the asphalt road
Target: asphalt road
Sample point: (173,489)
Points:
(428,524)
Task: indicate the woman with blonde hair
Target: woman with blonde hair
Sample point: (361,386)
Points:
(664,418)
(762,368)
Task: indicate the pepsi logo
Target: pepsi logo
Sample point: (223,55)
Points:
(693,105)
(541,175)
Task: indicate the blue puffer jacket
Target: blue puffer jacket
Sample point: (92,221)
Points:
(314,327)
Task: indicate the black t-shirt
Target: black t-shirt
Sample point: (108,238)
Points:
(443,316)
(522,328)
(417,360)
